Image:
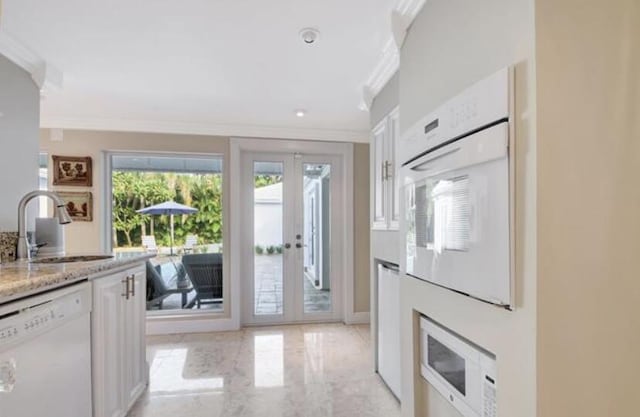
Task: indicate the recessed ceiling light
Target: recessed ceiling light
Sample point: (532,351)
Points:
(301,113)
(309,35)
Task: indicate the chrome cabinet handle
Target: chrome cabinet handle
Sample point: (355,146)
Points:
(126,288)
(133,285)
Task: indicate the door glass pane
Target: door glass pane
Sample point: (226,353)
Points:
(316,275)
(268,237)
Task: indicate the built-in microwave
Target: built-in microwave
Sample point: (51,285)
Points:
(456,187)
(462,372)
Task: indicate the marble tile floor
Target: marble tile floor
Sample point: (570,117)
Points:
(319,370)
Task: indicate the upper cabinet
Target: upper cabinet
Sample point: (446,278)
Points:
(386,212)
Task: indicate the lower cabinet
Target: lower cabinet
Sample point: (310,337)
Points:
(120,371)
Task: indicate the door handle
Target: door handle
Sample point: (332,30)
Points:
(423,166)
(298,245)
(287,245)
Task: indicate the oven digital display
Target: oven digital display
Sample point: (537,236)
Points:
(447,364)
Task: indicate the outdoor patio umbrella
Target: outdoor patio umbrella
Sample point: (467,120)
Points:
(168,208)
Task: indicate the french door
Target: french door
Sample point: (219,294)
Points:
(291,212)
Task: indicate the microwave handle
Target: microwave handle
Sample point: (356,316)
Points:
(424,166)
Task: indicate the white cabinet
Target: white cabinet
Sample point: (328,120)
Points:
(386,212)
(120,371)
(389,366)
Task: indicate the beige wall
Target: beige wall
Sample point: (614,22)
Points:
(361,226)
(451,45)
(19,114)
(86,236)
(588,67)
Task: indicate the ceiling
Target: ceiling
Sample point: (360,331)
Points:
(232,67)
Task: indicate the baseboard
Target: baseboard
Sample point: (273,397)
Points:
(174,325)
(363,317)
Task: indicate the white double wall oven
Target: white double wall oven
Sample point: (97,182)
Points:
(458,193)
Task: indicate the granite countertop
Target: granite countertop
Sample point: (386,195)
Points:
(21,278)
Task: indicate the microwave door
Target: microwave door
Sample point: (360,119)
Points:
(457,216)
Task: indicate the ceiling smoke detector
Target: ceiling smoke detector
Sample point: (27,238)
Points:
(310,35)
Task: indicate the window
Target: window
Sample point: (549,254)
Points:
(186,233)
(43,183)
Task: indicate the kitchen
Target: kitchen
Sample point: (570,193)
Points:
(574,202)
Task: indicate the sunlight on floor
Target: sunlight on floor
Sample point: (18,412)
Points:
(302,370)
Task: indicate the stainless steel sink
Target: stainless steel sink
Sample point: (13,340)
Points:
(67,259)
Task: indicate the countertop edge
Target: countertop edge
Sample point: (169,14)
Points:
(30,279)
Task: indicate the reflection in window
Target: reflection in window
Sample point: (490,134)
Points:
(451,211)
(268,360)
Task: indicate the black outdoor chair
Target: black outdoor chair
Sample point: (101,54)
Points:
(157,290)
(205,273)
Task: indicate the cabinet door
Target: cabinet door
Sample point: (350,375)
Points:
(393,182)
(135,366)
(107,339)
(378,160)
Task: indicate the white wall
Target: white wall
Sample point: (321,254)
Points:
(19,121)
(451,45)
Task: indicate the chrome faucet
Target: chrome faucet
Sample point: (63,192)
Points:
(24,247)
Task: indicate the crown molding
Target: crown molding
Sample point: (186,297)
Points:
(45,75)
(231,130)
(402,17)
(387,65)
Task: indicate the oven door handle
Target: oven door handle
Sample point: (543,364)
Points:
(424,166)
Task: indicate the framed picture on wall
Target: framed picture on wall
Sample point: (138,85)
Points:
(72,170)
(78,204)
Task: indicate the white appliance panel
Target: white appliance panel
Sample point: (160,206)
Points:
(389,366)
(484,102)
(463,373)
(45,358)
(457,216)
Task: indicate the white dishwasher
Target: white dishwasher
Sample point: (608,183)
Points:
(45,354)
(389,328)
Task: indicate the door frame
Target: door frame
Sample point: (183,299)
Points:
(293,274)
(344,150)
